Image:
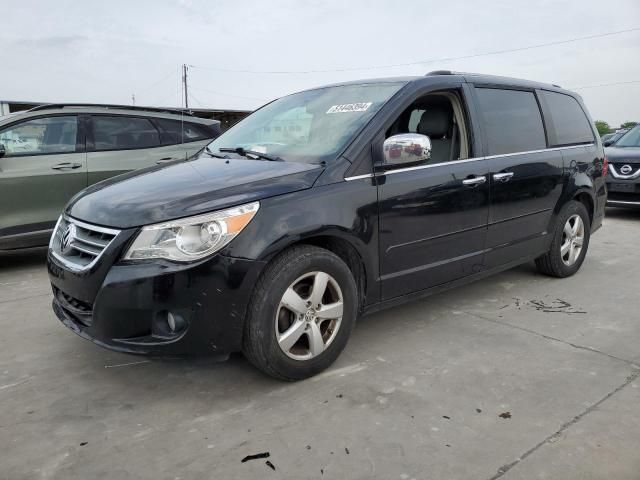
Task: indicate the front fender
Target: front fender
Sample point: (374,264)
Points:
(345,210)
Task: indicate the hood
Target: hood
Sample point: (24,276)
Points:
(187,188)
(622,154)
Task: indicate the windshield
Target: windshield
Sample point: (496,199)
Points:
(630,139)
(311,126)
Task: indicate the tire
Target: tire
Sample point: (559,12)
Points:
(271,321)
(555,262)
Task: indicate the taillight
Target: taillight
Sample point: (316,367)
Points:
(605,167)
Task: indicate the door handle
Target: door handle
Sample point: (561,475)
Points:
(165,160)
(66,166)
(503,176)
(473,181)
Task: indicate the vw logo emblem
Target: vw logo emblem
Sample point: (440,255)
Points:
(68,237)
(626,169)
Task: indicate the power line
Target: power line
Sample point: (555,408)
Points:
(193,97)
(421,62)
(156,83)
(604,85)
(228,94)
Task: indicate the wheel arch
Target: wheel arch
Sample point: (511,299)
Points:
(346,251)
(586,198)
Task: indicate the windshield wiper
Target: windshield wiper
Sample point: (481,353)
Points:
(215,155)
(251,153)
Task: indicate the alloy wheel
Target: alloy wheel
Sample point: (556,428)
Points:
(572,240)
(309,315)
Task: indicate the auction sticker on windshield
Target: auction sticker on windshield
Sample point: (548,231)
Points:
(350,107)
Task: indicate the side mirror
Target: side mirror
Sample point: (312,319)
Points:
(406,149)
(608,143)
(3,152)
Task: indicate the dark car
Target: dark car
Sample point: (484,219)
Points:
(273,243)
(623,180)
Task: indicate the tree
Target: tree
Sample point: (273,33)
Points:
(603,127)
(628,124)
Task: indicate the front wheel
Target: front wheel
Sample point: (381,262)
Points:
(301,314)
(570,242)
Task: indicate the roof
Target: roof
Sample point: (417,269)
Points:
(464,76)
(113,109)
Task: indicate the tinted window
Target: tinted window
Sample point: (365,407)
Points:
(512,121)
(176,131)
(121,133)
(568,124)
(41,135)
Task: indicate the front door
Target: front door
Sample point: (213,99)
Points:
(432,224)
(43,167)
(433,217)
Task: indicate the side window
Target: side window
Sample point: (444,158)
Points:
(414,119)
(41,136)
(568,124)
(122,133)
(176,131)
(511,120)
(440,116)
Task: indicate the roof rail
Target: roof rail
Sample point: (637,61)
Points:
(50,106)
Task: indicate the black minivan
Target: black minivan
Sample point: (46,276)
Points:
(325,205)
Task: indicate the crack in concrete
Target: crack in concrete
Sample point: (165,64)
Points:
(636,373)
(548,337)
(505,468)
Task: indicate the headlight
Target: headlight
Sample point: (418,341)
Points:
(192,238)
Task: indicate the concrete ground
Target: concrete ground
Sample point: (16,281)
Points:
(518,376)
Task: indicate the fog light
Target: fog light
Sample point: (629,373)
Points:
(174,322)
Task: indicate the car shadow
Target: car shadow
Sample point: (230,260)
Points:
(217,378)
(23,258)
(623,213)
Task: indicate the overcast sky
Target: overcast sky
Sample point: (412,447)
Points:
(105,51)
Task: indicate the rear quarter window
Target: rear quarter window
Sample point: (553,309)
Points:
(176,131)
(511,120)
(567,123)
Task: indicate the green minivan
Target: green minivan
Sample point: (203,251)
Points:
(51,152)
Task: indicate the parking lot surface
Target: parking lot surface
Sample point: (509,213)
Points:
(518,376)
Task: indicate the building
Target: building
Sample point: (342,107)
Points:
(227,118)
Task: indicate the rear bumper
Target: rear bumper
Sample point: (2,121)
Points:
(129,310)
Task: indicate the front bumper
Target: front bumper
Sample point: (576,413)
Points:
(124,307)
(623,187)
(623,193)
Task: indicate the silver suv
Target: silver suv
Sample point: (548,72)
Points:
(51,152)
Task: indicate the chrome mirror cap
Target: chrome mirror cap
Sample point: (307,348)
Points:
(407,148)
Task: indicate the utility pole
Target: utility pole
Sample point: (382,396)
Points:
(184,82)
(133,99)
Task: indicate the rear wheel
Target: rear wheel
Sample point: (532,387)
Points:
(570,242)
(302,313)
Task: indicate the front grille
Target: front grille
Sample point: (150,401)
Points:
(79,311)
(630,170)
(79,245)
